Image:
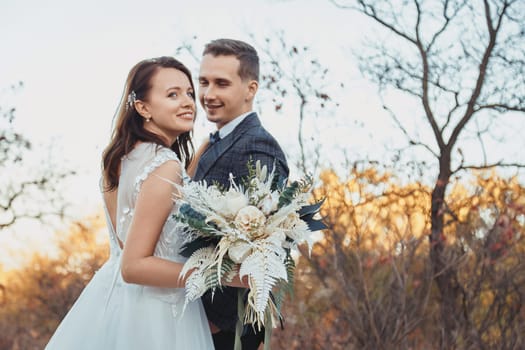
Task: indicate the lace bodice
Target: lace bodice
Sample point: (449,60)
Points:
(136,166)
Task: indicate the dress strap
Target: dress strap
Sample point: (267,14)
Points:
(163,155)
(113,238)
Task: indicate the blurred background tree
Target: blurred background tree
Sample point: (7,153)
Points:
(370,285)
(30,191)
(457,62)
(38,295)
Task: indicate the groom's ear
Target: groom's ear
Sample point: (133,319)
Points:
(253,86)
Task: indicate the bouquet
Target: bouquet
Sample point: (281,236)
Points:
(248,229)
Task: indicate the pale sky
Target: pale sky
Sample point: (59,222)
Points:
(73,57)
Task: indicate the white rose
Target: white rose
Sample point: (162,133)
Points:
(249,218)
(229,204)
(234,201)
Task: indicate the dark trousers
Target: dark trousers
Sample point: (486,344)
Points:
(225,340)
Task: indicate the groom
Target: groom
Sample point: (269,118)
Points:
(228,82)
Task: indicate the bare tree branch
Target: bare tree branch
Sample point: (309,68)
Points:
(25,195)
(499,164)
(499,107)
(458,71)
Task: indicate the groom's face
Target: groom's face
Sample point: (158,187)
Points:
(222,93)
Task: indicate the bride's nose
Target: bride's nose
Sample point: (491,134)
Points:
(188,101)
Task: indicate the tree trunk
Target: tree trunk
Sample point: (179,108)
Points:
(444,270)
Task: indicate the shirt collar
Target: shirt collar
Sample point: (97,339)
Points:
(232,124)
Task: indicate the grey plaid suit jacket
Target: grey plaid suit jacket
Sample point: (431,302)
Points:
(249,140)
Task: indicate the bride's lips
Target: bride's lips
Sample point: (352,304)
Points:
(186,115)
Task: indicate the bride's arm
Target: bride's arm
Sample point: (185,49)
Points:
(154,204)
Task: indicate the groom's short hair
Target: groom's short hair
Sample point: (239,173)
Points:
(245,53)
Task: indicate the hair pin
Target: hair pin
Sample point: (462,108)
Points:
(130,102)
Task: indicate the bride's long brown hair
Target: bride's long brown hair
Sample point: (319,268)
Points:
(129,125)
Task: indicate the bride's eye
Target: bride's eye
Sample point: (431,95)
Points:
(173,94)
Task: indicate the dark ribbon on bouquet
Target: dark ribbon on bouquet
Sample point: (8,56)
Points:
(307,213)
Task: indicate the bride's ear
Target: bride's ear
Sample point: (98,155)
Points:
(142,109)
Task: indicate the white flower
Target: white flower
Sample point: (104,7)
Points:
(261,172)
(269,203)
(254,234)
(238,251)
(214,193)
(229,204)
(295,228)
(235,202)
(291,221)
(249,218)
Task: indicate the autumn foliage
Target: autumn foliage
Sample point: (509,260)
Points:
(37,296)
(368,283)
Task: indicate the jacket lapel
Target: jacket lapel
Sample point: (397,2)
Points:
(214,152)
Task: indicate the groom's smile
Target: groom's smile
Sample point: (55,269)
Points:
(211,107)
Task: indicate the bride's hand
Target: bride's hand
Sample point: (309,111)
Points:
(238,283)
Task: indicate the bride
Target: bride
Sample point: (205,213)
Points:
(135,300)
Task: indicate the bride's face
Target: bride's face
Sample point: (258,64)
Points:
(170,104)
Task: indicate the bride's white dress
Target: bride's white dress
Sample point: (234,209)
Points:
(114,315)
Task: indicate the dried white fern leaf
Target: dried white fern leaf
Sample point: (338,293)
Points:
(201,259)
(265,267)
